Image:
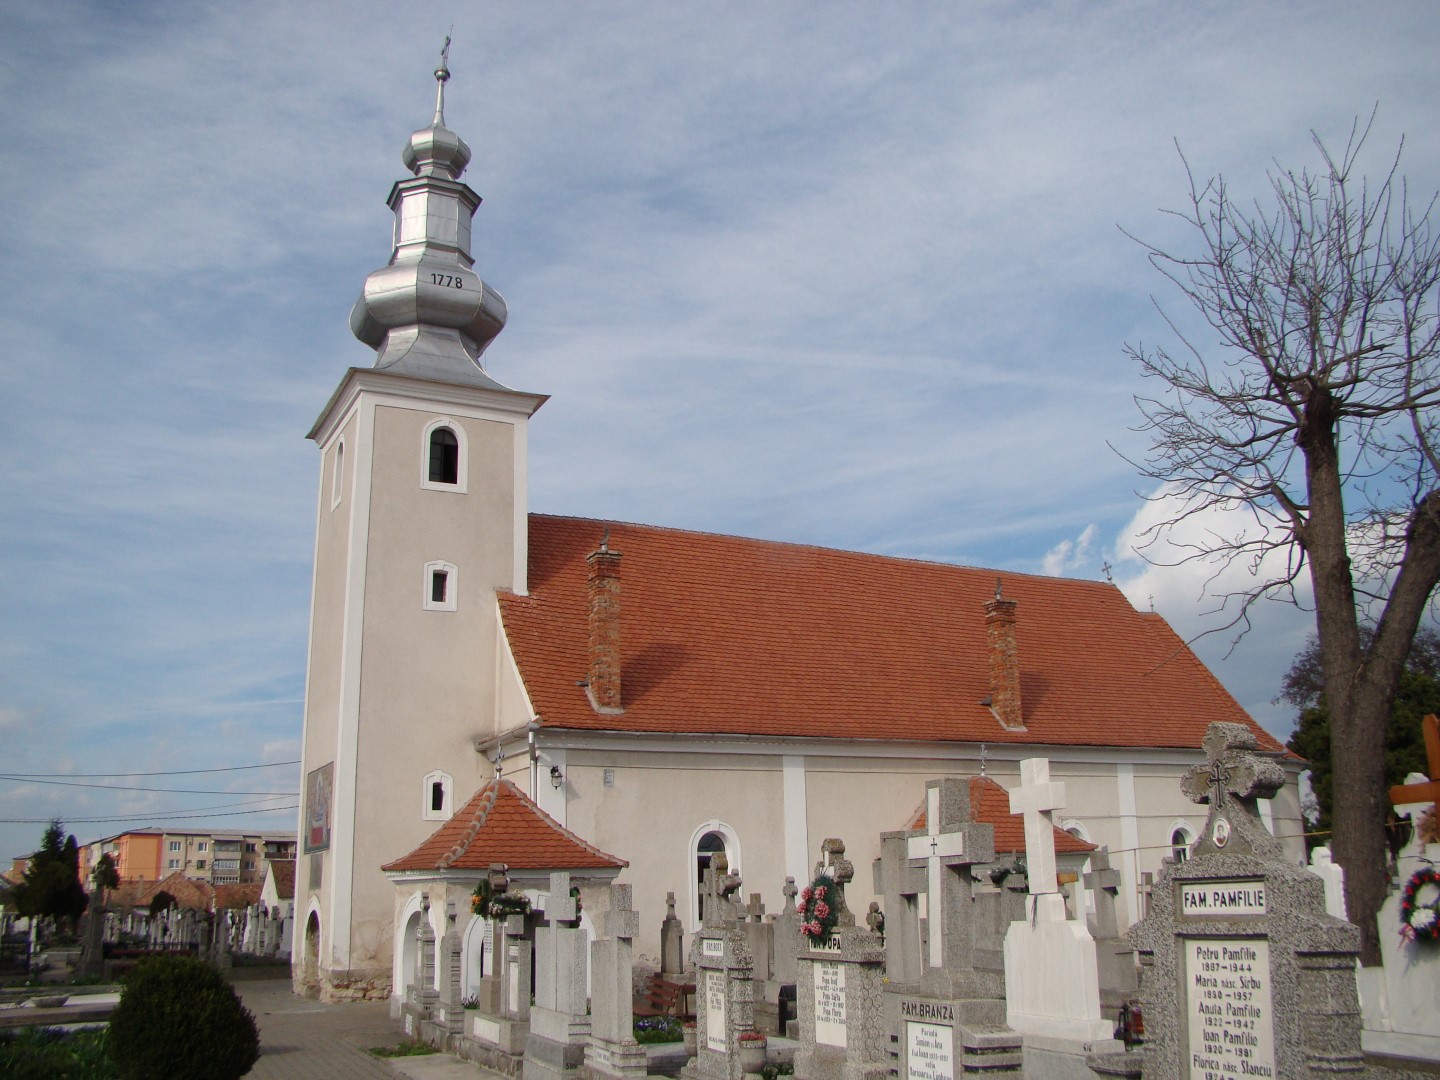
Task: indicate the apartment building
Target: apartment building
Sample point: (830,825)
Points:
(228,858)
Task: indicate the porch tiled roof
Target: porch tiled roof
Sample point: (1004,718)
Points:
(500,824)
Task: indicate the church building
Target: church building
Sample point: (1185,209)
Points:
(654,696)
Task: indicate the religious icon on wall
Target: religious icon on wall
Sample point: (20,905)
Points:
(319,789)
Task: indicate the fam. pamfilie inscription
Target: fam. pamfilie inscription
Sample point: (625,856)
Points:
(1231,1027)
(1206,898)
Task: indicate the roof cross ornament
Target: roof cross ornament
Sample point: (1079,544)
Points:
(442,76)
(1230,780)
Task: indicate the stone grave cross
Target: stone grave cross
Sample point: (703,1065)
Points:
(841,871)
(1232,778)
(1104,882)
(941,845)
(1037,798)
(719,886)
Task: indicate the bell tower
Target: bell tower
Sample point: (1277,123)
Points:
(421,519)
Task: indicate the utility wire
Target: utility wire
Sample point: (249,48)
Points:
(173,772)
(125,787)
(152,817)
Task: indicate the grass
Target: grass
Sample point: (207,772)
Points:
(408,1048)
(51,1054)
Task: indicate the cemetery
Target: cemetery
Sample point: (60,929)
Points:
(982,958)
(972,964)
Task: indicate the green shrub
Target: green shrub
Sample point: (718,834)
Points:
(178,1019)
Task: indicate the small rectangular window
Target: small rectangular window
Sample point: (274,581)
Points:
(199,864)
(203,845)
(438,580)
(437,796)
(174,845)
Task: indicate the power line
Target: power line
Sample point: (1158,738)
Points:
(153,817)
(173,772)
(126,787)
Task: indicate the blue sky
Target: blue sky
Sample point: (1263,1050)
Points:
(843,273)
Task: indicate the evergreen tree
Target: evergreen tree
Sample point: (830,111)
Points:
(51,887)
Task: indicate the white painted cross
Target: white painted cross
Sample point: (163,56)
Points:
(934,846)
(1036,798)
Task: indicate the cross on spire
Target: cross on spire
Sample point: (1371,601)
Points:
(1037,798)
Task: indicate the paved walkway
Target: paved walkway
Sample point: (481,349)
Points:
(301,1039)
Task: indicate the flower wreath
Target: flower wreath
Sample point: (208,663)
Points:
(1420,906)
(495,905)
(818,914)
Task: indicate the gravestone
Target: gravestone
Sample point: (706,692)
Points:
(946,1015)
(421,995)
(503,1030)
(449,1013)
(839,985)
(1323,866)
(672,941)
(559,1025)
(724,987)
(1119,977)
(1401,1017)
(1242,971)
(612,1050)
(1052,978)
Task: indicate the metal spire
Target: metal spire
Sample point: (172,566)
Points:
(442,76)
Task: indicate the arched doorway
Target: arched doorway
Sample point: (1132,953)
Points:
(409,953)
(709,840)
(310,957)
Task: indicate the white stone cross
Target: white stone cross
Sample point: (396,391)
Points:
(1037,798)
(934,847)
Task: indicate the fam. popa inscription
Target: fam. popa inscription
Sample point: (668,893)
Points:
(829,979)
(1231,1027)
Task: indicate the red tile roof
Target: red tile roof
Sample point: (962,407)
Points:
(283,871)
(720,634)
(188,893)
(240,895)
(990,804)
(501,825)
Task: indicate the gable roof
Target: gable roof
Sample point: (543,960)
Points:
(724,635)
(990,804)
(500,824)
(188,893)
(238,895)
(282,873)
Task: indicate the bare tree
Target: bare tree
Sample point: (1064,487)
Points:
(1312,405)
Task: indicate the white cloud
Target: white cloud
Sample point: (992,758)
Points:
(851,281)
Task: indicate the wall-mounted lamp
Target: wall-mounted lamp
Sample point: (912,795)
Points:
(556,776)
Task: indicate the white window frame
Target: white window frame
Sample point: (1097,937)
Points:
(462,456)
(1179,825)
(452,586)
(447,803)
(692,853)
(337,474)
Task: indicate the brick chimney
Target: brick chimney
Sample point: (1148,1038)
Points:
(604,581)
(1004,662)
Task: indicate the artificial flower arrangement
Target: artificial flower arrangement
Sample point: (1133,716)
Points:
(1420,906)
(818,914)
(493,905)
(751,1037)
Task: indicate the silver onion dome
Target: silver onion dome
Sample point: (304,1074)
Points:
(428,313)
